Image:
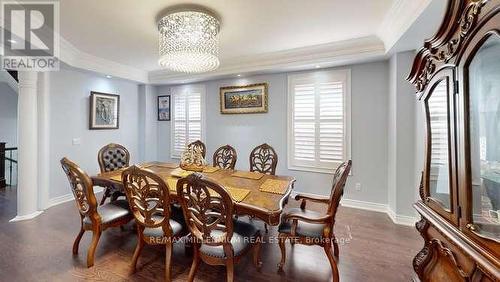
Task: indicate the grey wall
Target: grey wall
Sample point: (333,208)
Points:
(163,133)
(148,123)
(402,143)
(69,117)
(8,115)
(369,130)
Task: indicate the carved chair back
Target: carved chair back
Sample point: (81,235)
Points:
(112,157)
(264,159)
(82,188)
(148,198)
(225,157)
(339,181)
(208,210)
(200,145)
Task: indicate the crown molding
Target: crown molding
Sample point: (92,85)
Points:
(79,59)
(398,20)
(325,55)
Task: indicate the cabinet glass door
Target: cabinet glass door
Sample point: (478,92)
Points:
(484,136)
(439,170)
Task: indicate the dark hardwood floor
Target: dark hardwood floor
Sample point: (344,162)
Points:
(372,248)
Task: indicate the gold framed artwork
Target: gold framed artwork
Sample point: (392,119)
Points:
(245,99)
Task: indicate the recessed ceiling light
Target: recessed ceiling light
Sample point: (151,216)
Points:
(12,41)
(318,66)
(109,76)
(239,75)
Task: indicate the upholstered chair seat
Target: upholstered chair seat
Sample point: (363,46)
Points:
(111,212)
(304,229)
(93,217)
(219,238)
(176,221)
(158,221)
(243,235)
(303,226)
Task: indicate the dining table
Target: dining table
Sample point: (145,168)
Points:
(255,194)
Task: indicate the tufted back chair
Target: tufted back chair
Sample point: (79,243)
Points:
(112,157)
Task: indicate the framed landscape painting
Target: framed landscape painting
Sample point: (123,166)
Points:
(104,111)
(243,99)
(164,107)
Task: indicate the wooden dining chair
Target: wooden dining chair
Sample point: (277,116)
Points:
(311,228)
(112,157)
(264,159)
(200,145)
(92,217)
(225,157)
(219,239)
(158,222)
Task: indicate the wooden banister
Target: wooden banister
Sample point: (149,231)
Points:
(2,165)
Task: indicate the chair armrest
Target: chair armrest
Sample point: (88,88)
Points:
(320,220)
(312,198)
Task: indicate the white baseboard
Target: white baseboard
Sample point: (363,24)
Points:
(68,197)
(377,207)
(26,217)
(401,219)
(362,205)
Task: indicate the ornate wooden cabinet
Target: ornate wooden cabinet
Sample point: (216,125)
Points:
(457,76)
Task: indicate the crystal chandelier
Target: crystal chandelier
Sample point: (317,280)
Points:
(189,41)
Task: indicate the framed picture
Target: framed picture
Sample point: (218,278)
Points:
(244,99)
(164,107)
(104,111)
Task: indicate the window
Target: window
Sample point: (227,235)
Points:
(318,120)
(188,117)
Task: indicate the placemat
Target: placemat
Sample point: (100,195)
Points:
(274,186)
(172,184)
(248,174)
(238,194)
(179,172)
(210,169)
(117,177)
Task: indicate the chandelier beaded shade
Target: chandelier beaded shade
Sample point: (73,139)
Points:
(189,41)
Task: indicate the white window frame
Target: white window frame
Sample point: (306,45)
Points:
(174,93)
(344,73)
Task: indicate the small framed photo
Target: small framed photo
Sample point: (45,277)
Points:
(164,107)
(243,99)
(104,111)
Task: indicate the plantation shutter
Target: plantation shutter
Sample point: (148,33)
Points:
(317,125)
(438,109)
(187,122)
